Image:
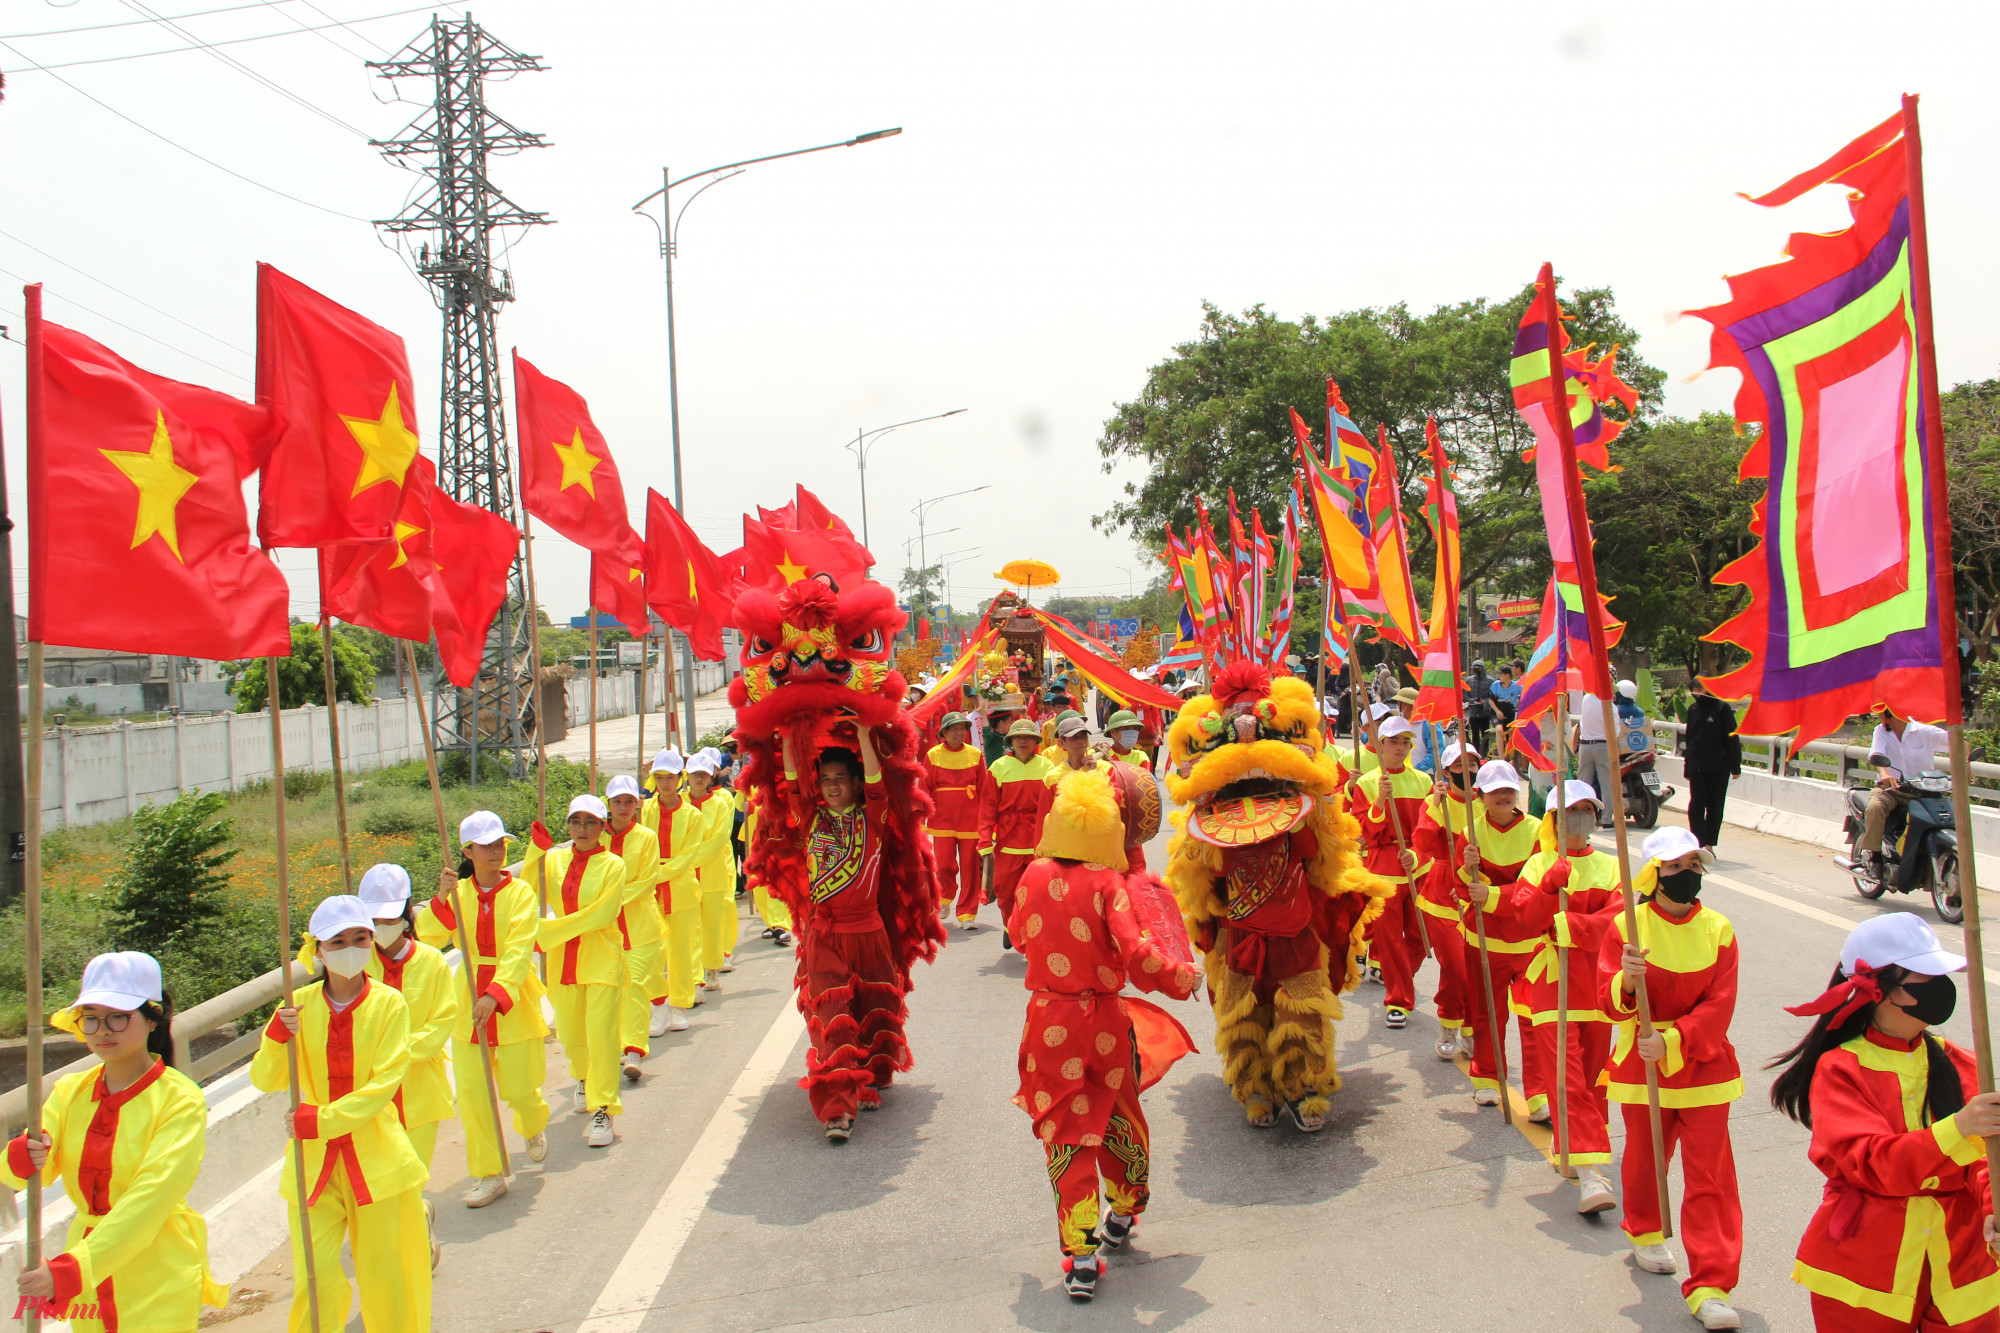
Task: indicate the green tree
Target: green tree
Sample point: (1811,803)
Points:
(1972,457)
(922,589)
(174,876)
(302,676)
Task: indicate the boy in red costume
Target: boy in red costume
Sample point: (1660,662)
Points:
(1010,814)
(1507,839)
(1086,1051)
(1389,800)
(956,777)
(1439,838)
(853,997)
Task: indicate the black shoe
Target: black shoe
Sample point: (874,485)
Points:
(783,939)
(1114,1230)
(1006,941)
(1080,1279)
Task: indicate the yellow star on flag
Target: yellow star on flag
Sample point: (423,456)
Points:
(634,574)
(793,573)
(694,593)
(404,531)
(161,482)
(577,464)
(388,447)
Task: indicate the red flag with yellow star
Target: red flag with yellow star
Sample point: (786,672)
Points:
(692,589)
(390,587)
(339,387)
(473,552)
(567,477)
(618,583)
(138,538)
(775,558)
(813,513)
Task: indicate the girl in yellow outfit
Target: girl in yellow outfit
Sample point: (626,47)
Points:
(126,1140)
(777,917)
(363,1180)
(715,867)
(586,957)
(500,915)
(418,973)
(678,826)
(642,930)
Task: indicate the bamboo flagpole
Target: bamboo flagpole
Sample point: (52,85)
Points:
(590,614)
(1593,610)
(541,722)
(274,699)
(1562,963)
(31,870)
(1947,595)
(639,704)
(333,735)
(467,961)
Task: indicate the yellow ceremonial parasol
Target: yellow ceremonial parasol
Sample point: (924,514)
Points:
(1029,574)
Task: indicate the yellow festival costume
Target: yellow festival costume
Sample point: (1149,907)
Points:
(715,867)
(501,930)
(364,1183)
(642,930)
(586,962)
(678,893)
(771,911)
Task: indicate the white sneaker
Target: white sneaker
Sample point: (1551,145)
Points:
(967,924)
(538,1148)
(1465,1041)
(1540,1115)
(1715,1313)
(485,1190)
(1395,1018)
(600,1134)
(727,967)
(629,1067)
(579,1099)
(676,1020)
(1655,1258)
(1596,1196)
(1485,1096)
(711,980)
(1447,1046)
(658,1023)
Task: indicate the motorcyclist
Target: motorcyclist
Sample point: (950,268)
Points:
(1901,748)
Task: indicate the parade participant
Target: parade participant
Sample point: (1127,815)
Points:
(1479,711)
(851,995)
(126,1140)
(1428,736)
(777,917)
(1072,748)
(1123,732)
(1686,957)
(364,1183)
(1052,746)
(1713,754)
(1270,887)
(957,782)
(999,718)
(678,827)
(641,927)
(1087,1051)
(1389,800)
(1506,840)
(1532,908)
(418,973)
(715,869)
(1370,759)
(586,958)
(1439,838)
(500,913)
(1904,1237)
(1010,816)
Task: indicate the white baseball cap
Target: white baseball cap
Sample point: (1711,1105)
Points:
(385,886)
(1497,775)
(1576,793)
(481,827)
(343,911)
(1376,712)
(1455,751)
(1666,844)
(622,785)
(1902,939)
(586,804)
(122,980)
(1629,689)
(1396,725)
(669,760)
(703,762)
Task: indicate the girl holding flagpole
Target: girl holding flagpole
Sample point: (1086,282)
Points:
(715,866)
(677,826)
(641,928)
(126,1140)
(418,973)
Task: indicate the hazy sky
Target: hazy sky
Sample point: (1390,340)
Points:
(1072,182)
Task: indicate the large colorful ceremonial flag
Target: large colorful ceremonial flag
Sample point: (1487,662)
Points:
(618,583)
(1350,557)
(472,553)
(690,587)
(138,536)
(1438,691)
(1275,630)
(1347,449)
(1851,583)
(1400,619)
(388,588)
(567,477)
(339,387)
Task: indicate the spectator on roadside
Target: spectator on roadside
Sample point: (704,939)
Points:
(1713,755)
(1594,762)
(1384,684)
(1478,704)
(1506,692)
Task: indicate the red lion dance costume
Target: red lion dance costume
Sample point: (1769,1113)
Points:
(816,666)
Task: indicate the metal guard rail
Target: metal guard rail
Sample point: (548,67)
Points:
(1825,761)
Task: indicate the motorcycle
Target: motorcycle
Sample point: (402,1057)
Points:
(1920,841)
(1644,790)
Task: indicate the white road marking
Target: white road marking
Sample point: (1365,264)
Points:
(635,1285)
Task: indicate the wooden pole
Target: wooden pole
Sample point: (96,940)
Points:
(468,965)
(31,871)
(1562,963)
(590,614)
(667,674)
(541,724)
(285,948)
(1947,595)
(333,734)
(639,705)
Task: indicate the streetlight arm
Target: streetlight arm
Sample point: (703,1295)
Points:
(868,436)
(869,137)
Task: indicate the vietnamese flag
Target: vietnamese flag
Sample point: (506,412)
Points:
(775,559)
(472,552)
(692,589)
(618,584)
(139,540)
(339,386)
(389,588)
(813,513)
(567,477)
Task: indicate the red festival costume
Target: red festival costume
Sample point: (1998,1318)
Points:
(957,781)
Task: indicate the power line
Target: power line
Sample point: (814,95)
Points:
(122,292)
(134,23)
(243,379)
(248,73)
(345,24)
(227,171)
(237,41)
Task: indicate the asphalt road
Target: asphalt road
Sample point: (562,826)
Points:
(723,1208)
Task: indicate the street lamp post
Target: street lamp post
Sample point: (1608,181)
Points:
(861,443)
(923,507)
(669,227)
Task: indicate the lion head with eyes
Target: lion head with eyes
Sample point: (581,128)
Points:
(815,649)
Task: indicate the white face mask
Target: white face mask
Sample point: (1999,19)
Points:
(388,932)
(345,962)
(1128,739)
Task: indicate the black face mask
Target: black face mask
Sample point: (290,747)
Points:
(1936,1000)
(1683,886)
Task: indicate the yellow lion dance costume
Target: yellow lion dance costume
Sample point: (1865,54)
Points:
(1264,864)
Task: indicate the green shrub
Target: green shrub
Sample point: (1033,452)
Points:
(73,933)
(389,816)
(173,880)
